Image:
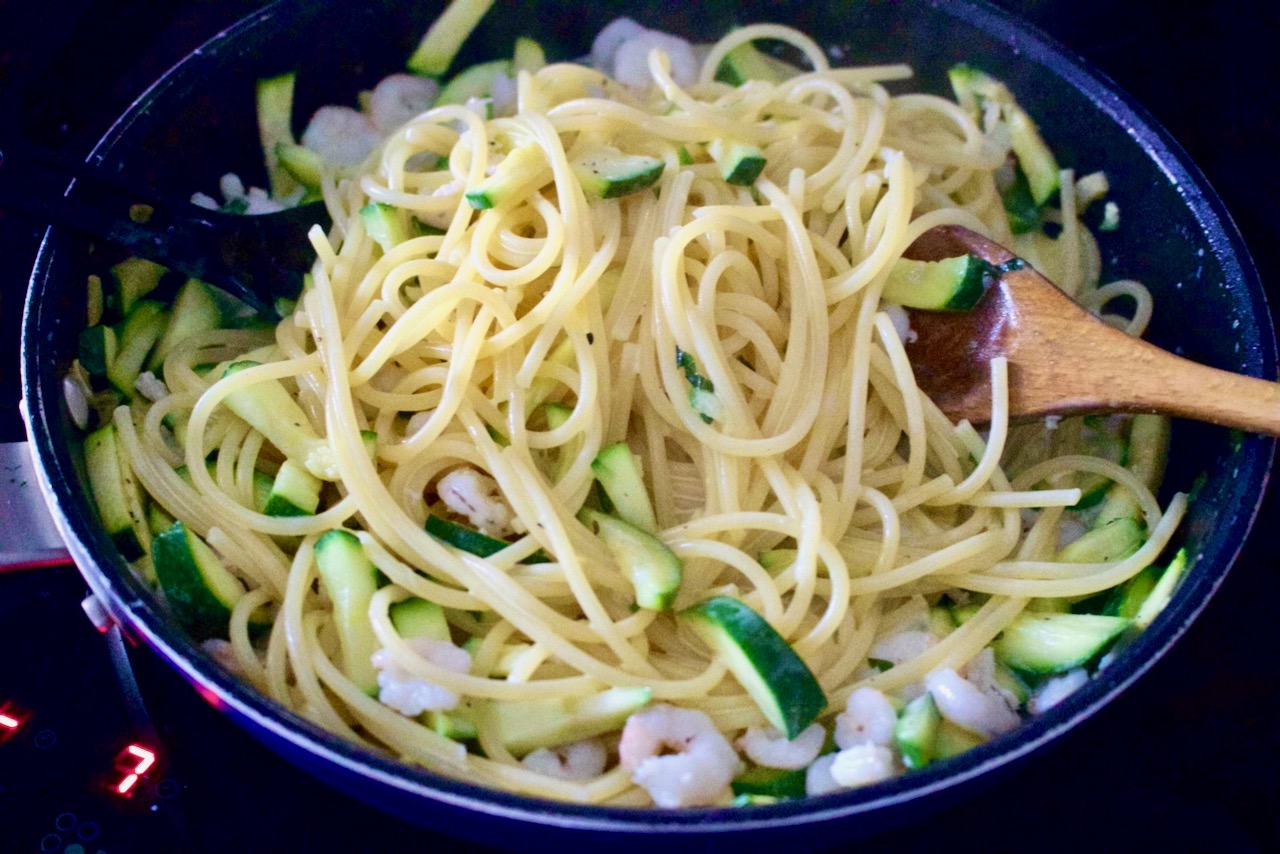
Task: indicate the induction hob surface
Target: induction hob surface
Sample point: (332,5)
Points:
(1183,761)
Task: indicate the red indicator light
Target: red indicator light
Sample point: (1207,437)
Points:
(12,717)
(135,761)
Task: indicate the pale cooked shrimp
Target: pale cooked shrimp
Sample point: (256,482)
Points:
(697,769)
(410,695)
(768,747)
(962,703)
(868,718)
(400,97)
(341,135)
(577,761)
(476,496)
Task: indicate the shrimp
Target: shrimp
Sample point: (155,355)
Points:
(862,765)
(962,703)
(696,773)
(577,761)
(469,493)
(399,98)
(622,48)
(341,135)
(410,695)
(868,718)
(768,747)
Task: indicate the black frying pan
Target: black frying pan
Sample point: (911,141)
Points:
(197,123)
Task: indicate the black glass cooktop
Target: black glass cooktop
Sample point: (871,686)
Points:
(1184,761)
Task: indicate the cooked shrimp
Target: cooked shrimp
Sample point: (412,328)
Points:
(469,493)
(770,748)
(341,135)
(868,718)
(410,695)
(398,98)
(862,765)
(960,702)
(698,770)
(622,48)
(577,761)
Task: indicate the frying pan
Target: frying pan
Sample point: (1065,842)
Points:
(197,122)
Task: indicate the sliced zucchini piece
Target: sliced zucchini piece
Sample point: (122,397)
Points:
(475,82)
(1114,540)
(1162,592)
(142,329)
(524,726)
(950,284)
(1056,643)
(195,310)
(564,456)
(350,580)
(740,162)
(774,561)
(200,589)
(97,349)
(272,411)
(618,472)
(1019,207)
(130,281)
(445,36)
(916,732)
(781,684)
(523,170)
(115,495)
(528,56)
(654,569)
(275,129)
(472,541)
(702,392)
(294,492)
(952,740)
(1034,157)
(770,783)
(746,62)
(305,165)
(606,172)
(419,618)
(385,224)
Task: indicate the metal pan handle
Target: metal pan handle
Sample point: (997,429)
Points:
(28,536)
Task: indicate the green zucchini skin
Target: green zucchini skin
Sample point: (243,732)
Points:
(776,678)
(950,284)
(199,588)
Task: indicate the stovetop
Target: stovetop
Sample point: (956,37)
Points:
(1185,760)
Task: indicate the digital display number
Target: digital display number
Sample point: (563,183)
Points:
(132,763)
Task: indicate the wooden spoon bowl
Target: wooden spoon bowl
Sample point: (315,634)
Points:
(1062,360)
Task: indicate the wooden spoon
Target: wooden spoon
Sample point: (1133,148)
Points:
(1062,360)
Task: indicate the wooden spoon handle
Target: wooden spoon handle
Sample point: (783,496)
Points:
(1081,365)
(1141,377)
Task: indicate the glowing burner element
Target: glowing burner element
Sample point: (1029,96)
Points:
(145,759)
(8,722)
(12,717)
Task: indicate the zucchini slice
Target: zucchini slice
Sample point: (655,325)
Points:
(740,162)
(350,579)
(778,680)
(142,329)
(445,36)
(1056,643)
(200,589)
(473,83)
(117,497)
(524,726)
(916,732)
(273,412)
(385,224)
(472,541)
(608,173)
(195,310)
(294,492)
(618,472)
(951,284)
(97,349)
(275,129)
(770,783)
(654,569)
(524,169)
(746,62)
